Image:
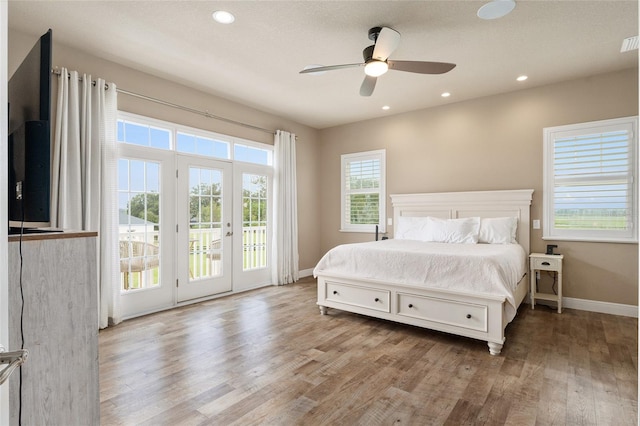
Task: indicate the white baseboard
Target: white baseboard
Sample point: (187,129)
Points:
(596,306)
(305,273)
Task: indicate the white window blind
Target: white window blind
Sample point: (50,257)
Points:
(590,188)
(363,195)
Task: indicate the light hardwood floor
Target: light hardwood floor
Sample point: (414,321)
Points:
(268,357)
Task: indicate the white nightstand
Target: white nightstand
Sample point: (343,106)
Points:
(546,262)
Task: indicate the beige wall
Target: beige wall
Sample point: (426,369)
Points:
(138,82)
(488,144)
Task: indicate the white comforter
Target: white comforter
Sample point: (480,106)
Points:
(493,269)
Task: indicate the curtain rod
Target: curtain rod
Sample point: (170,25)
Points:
(177,106)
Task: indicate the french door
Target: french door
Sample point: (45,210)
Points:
(205,229)
(191,227)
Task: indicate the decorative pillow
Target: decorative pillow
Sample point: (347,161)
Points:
(457,231)
(410,228)
(498,230)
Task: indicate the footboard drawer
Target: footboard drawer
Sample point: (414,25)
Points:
(358,296)
(466,315)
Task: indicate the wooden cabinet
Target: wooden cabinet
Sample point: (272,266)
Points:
(60,323)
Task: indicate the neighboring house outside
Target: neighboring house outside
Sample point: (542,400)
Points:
(135,228)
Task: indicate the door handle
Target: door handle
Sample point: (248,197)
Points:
(229,233)
(14,360)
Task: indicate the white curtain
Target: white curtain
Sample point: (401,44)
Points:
(285,232)
(84,191)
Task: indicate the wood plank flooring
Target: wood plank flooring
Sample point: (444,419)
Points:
(269,357)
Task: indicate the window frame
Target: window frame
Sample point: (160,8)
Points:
(345,159)
(550,135)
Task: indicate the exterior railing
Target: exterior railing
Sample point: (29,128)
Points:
(205,254)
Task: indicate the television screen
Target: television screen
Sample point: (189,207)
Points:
(29,94)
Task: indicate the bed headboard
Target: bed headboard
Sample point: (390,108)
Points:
(453,205)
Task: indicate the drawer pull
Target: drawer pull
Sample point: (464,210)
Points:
(377,299)
(410,305)
(468,316)
(546,263)
(335,291)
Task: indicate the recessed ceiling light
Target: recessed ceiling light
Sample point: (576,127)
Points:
(223,17)
(496,9)
(522,78)
(446,94)
(386,107)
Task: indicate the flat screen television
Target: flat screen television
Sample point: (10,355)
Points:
(29,94)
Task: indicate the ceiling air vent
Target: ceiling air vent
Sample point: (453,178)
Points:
(628,44)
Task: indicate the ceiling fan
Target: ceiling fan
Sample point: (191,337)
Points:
(377,62)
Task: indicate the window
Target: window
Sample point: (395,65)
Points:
(363,191)
(590,189)
(250,154)
(149,132)
(143,134)
(201,145)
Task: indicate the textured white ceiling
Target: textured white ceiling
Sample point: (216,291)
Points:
(256,60)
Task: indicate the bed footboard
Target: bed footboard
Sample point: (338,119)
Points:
(477,316)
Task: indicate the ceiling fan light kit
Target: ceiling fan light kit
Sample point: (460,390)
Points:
(496,9)
(377,62)
(375,68)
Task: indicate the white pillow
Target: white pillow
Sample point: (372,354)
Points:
(498,230)
(458,231)
(410,228)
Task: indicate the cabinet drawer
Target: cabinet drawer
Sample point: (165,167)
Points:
(358,296)
(459,314)
(546,263)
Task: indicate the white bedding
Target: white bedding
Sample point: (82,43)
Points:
(493,269)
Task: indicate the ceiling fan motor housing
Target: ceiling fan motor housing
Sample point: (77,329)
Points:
(367,53)
(373,33)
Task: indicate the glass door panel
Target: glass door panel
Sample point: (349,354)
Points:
(205,223)
(139,222)
(254,221)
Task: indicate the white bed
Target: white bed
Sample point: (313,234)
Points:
(458,303)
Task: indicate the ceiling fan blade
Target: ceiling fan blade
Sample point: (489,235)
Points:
(368,85)
(421,67)
(328,68)
(387,41)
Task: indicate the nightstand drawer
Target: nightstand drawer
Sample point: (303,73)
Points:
(546,263)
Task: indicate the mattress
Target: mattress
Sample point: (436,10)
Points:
(475,269)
